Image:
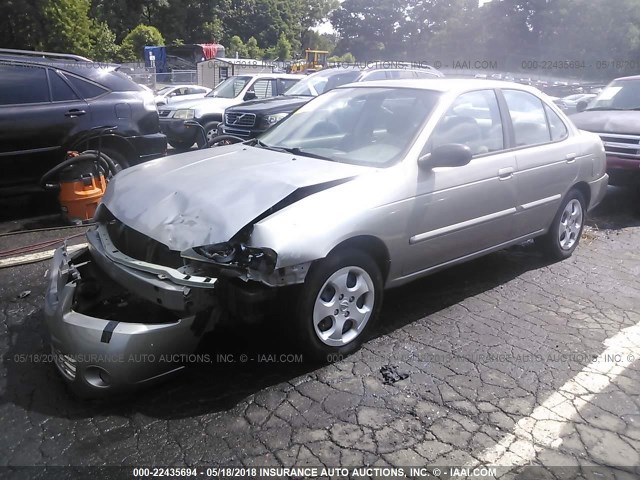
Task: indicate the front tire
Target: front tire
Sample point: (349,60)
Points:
(338,305)
(181,145)
(210,131)
(566,229)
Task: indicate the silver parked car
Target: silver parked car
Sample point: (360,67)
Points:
(366,187)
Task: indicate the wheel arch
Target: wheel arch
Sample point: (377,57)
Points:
(371,245)
(584,189)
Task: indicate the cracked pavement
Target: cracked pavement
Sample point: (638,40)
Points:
(511,361)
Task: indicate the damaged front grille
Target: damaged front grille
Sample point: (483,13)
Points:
(141,247)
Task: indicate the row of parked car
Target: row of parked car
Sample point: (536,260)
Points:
(49,104)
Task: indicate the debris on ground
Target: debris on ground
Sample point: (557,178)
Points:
(391,375)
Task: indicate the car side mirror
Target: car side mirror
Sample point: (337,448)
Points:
(250,96)
(581,106)
(449,155)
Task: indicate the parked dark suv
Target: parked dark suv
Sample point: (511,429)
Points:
(250,119)
(50,102)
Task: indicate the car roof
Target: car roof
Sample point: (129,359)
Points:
(445,84)
(105,74)
(633,77)
(270,75)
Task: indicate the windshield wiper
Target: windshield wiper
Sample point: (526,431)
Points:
(261,144)
(604,109)
(304,153)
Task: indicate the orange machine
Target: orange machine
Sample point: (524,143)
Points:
(81,190)
(81,181)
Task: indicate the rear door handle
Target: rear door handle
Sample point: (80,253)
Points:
(75,113)
(505,173)
(571,157)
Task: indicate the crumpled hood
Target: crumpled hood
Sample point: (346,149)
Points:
(207,196)
(608,121)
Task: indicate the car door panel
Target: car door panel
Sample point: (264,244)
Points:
(462,210)
(545,157)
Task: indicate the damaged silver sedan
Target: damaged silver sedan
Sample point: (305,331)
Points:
(364,188)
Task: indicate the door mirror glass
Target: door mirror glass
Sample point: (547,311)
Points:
(449,155)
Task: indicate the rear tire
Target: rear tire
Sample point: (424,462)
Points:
(338,305)
(566,228)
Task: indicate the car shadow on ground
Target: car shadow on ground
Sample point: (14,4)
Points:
(619,209)
(220,385)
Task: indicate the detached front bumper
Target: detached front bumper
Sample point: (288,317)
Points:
(100,355)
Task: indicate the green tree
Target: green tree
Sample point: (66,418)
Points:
(371,29)
(253,50)
(135,41)
(103,43)
(283,48)
(237,48)
(213,31)
(67,27)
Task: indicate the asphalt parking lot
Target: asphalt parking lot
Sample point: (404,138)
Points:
(508,360)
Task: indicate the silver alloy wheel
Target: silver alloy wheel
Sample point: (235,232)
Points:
(570,224)
(343,306)
(211,134)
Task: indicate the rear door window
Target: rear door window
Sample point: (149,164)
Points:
(528,117)
(20,84)
(85,89)
(558,129)
(263,88)
(60,90)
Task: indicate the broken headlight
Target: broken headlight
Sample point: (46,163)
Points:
(239,255)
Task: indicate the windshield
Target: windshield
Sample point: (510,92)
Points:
(230,88)
(163,90)
(371,126)
(618,95)
(323,81)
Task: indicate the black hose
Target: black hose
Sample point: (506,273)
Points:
(108,165)
(113,166)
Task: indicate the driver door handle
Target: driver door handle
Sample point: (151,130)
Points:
(505,173)
(75,113)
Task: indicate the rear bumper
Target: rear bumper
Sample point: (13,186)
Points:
(598,190)
(96,356)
